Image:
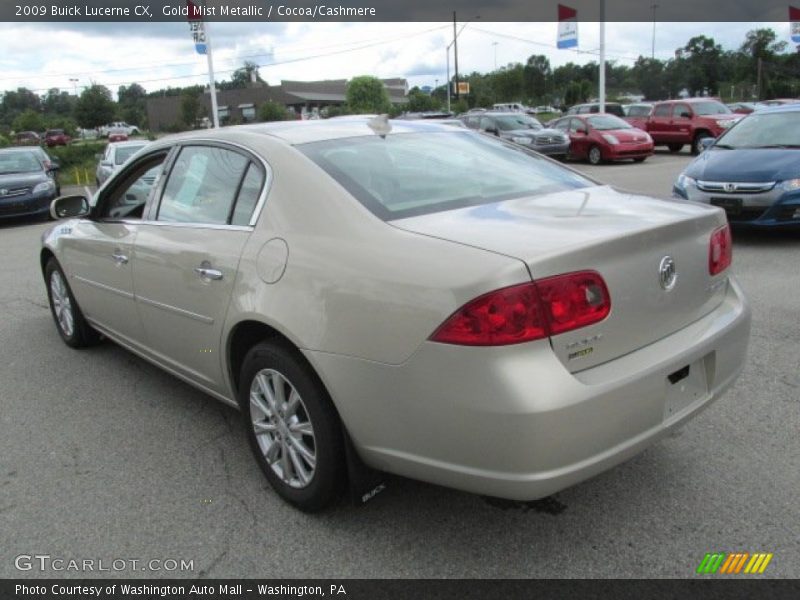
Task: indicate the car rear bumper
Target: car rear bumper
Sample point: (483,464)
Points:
(512,422)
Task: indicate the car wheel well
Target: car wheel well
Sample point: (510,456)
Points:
(44,258)
(244,336)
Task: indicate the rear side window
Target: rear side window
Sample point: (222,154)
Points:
(203,185)
(249,192)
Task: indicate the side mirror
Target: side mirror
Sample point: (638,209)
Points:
(707,142)
(107,164)
(580,130)
(69,207)
(491,130)
(686,115)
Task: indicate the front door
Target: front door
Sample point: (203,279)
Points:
(100,252)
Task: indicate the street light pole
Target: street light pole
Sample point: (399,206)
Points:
(495,55)
(74,85)
(455,51)
(653,51)
(602,78)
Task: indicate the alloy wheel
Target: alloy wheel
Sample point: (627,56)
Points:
(62,304)
(283,428)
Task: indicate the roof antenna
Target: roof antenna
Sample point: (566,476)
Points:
(380,125)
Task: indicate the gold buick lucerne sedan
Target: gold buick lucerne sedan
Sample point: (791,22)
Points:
(404,296)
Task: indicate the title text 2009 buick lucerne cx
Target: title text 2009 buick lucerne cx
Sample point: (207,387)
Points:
(450,307)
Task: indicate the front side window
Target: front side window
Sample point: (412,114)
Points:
(128,196)
(662,110)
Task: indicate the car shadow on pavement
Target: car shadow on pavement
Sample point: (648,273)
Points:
(765,237)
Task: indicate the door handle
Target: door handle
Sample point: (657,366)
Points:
(208,273)
(120,259)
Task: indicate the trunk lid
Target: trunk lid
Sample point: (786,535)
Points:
(624,237)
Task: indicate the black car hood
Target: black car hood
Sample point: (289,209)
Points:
(756,165)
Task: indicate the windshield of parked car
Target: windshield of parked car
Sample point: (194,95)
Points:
(759,130)
(606,122)
(512,122)
(412,174)
(19,162)
(639,111)
(710,108)
(125,152)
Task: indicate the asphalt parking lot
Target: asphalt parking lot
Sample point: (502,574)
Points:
(103,456)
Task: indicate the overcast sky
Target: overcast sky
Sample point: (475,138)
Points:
(156,55)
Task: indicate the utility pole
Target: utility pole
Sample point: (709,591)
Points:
(455,52)
(653,50)
(602,78)
(495,55)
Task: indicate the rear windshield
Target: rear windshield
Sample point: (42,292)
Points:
(414,174)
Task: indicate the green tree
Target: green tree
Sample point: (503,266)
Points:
(366,94)
(95,107)
(535,75)
(702,56)
(132,102)
(16,102)
(272,111)
(190,108)
(29,120)
(648,76)
(57,102)
(419,101)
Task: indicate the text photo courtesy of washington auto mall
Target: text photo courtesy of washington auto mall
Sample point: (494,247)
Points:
(399,299)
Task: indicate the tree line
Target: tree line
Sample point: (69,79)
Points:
(760,68)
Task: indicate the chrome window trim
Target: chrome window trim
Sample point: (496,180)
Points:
(224,227)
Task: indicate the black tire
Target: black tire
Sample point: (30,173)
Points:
(329,473)
(697,147)
(640,159)
(595,155)
(82,334)
(675,147)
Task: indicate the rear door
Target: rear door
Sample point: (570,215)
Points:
(187,255)
(660,123)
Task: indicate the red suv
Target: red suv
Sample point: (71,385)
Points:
(677,122)
(56,137)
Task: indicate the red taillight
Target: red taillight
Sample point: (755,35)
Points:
(720,250)
(527,312)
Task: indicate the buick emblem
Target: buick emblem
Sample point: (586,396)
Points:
(3,192)
(730,187)
(667,275)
